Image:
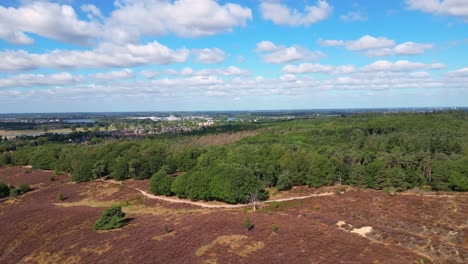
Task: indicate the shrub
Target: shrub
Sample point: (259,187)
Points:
(284,183)
(247,223)
(13,191)
(52,178)
(111,218)
(167,230)
(60,197)
(24,188)
(4,190)
(274,228)
(160,183)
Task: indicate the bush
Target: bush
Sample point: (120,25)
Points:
(247,224)
(60,197)
(111,218)
(160,183)
(24,188)
(274,228)
(284,183)
(4,190)
(167,230)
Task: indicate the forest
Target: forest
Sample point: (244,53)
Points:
(396,152)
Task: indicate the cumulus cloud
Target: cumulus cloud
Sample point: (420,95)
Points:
(31,80)
(401,65)
(317,68)
(186,18)
(281,14)
(210,56)
(150,74)
(378,46)
(51,20)
(463,72)
(130,20)
(353,16)
(411,48)
(113,75)
(272,53)
(369,42)
(457,8)
(266,46)
(187,71)
(92,11)
(378,66)
(104,56)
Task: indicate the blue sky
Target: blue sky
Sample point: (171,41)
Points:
(165,55)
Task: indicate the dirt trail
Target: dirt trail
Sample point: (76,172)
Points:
(209,205)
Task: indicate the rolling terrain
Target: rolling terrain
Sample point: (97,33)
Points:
(351,226)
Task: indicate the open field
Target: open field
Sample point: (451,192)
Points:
(351,226)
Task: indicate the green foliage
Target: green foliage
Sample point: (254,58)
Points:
(379,151)
(82,168)
(167,230)
(24,188)
(274,228)
(284,182)
(247,224)
(160,183)
(111,218)
(60,197)
(4,190)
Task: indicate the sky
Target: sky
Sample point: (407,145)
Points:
(195,55)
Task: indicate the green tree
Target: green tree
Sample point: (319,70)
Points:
(111,218)
(4,190)
(160,183)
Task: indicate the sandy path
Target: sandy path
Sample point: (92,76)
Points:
(210,205)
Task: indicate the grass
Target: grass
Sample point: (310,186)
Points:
(160,237)
(237,244)
(49,257)
(97,250)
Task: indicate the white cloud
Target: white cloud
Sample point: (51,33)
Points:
(457,8)
(378,46)
(186,18)
(275,54)
(51,20)
(92,11)
(353,16)
(463,72)
(366,42)
(266,46)
(30,80)
(113,75)
(150,74)
(380,52)
(15,37)
(187,71)
(411,48)
(369,42)
(282,15)
(318,68)
(387,67)
(229,71)
(210,56)
(104,56)
(401,65)
(331,43)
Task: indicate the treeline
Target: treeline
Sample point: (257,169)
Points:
(395,151)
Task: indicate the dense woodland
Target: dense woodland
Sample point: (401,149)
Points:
(378,151)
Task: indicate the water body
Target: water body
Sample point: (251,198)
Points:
(88,121)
